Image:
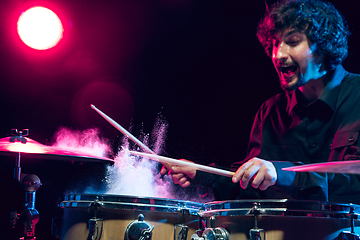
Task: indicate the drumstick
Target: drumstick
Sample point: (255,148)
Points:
(123,130)
(184,164)
(126,133)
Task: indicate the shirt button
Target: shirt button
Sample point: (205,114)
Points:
(351,139)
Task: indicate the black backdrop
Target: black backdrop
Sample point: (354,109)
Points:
(197,63)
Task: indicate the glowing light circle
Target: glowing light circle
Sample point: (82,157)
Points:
(40,28)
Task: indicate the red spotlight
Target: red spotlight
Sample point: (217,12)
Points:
(39,28)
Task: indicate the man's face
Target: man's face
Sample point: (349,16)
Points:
(293,58)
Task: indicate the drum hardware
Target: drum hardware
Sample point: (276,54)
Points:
(346,235)
(93,224)
(181,230)
(212,233)
(146,234)
(94,231)
(18,136)
(138,230)
(202,226)
(29,216)
(256,233)
(218,233)
(352,215)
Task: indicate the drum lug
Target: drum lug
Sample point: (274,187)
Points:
(94,231)
(146,233)
(255,234)
(218,233)
(180,232)
(138,230)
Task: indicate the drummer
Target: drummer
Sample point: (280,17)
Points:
(315,119)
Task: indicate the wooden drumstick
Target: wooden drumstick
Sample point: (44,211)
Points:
(123,130)
(172,161)
(126,133)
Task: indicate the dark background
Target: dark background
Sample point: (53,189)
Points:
(197,63)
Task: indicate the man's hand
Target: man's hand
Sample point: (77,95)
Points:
(180,175)
(260,173)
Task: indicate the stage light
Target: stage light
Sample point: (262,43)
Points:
(39,28)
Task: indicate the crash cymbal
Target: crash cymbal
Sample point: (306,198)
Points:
(351,167)
(31,148)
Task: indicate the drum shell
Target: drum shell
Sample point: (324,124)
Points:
(115,221)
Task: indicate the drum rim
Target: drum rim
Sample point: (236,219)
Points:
(291,207)
(130,202)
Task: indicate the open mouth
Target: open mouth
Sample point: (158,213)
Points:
(288,70)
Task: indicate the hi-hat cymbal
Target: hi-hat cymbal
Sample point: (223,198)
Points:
(32,148)
(351,167)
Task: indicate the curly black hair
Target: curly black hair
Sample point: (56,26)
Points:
(320,21)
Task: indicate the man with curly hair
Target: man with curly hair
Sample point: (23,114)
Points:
(316,119)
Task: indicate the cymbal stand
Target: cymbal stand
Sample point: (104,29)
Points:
(18,136)
(29,216)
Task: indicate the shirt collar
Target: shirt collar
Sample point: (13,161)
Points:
(329,94)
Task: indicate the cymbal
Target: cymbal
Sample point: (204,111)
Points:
(32,148)
(351,167)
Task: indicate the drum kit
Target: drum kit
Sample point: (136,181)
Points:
(105,216)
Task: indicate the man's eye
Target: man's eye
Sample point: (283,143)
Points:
(293,42)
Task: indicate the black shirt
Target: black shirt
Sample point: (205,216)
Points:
(289,132)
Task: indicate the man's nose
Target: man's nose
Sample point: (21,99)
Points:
(281,53)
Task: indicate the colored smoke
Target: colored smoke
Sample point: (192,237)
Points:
(133,175)
(88,141)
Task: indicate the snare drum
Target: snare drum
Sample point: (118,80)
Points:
(280,219)
(107,217)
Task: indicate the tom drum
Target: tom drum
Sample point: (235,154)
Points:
(279,220)
(105,217)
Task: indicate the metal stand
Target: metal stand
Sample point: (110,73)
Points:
(29,216)
(18,136)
